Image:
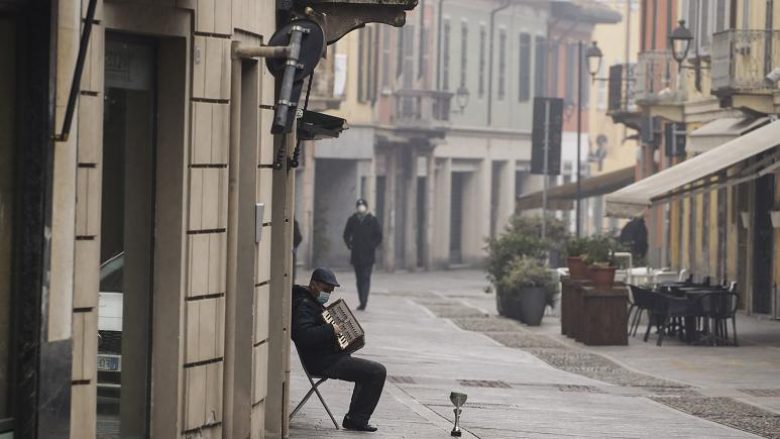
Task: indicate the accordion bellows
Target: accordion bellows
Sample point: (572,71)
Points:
(352,336)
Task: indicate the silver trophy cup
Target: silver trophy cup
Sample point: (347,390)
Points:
(458,399)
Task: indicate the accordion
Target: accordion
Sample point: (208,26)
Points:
(352,336)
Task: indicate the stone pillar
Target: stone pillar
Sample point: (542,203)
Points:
(305,215)
(507,196)
(410,223)
(431,206)
(391,183)
(476,217)
(441,235)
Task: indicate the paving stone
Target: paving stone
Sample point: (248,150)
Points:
(490,324)
(523,340)
(729,412)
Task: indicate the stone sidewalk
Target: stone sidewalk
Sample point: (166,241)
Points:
(437,332)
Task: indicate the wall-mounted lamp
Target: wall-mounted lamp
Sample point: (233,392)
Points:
(462,97)
(594,57)
(680,40)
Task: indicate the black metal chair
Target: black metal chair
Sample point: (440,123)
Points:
(666,313)
(314,389)
(717,308)
(641,303)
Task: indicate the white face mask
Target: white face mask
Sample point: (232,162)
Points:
(323,297)
(362,209)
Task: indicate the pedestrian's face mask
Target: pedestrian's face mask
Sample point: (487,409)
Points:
(362,209)
(323,297)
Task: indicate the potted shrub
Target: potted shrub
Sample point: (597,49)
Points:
(521,237)
(575,251)
(529,287)
(600,255)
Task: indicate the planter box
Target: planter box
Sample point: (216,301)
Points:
(604,316)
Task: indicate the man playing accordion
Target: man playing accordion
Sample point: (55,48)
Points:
(316,343)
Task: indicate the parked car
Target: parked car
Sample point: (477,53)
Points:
(109,358)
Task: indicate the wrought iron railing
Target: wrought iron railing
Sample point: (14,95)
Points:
(621,89)
(422,108)
(656,78)
(741,60)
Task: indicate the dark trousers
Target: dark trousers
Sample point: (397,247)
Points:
(369,378)
(363,278)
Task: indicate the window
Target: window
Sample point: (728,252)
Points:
(501,64)
(363,44)
(482,61)
(399,52)
(540,66)
(408,55)
(552,89)
(464,38)
(422,64)
(524,69)
(445,63)
(704,17)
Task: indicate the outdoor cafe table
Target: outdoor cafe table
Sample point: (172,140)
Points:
(692,294)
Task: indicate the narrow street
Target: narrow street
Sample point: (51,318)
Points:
(437,333)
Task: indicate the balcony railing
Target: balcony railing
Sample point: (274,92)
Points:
(621,89)
(422,109)
(742,58)
(656,79)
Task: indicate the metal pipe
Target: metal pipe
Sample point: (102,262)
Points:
(490,62)
(284,103)
(261,51)
(232,239)
(75,86)
(579,131)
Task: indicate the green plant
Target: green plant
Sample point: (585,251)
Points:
(523,237)
(527,272)
(600,250)
(577,246)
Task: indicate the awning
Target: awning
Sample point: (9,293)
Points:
(632,201)
(562,197)
(720,131)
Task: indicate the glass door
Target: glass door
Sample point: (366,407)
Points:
(127,217)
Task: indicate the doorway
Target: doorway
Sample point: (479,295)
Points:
(126,247)
(456,216)
(763,244)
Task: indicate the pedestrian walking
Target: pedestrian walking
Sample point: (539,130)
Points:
(362,235)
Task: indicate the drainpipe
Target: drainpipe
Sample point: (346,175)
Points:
(440,13)
(490,62)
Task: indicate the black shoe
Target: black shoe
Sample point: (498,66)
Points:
(361,307)
(348,424)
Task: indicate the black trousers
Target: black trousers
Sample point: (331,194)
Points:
(363,279)
(369,378)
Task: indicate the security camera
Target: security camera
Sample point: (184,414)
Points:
(773,76)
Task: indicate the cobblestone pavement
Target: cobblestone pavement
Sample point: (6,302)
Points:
(437,332)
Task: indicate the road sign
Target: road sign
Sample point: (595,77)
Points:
(546,136)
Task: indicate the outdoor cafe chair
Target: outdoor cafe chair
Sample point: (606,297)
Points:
(666,313)
(641,303)
(314,389)
(717,308)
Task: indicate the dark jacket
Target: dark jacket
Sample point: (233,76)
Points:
(362,236)
(314,338)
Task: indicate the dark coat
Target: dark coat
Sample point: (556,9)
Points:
(362,236)
(314,338)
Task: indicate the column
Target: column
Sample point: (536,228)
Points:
(410,224)
(391,183)
(430,209)
(441,235)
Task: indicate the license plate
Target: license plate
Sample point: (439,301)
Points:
(109,363)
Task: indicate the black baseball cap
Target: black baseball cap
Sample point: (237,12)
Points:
(361,202)
(325,276)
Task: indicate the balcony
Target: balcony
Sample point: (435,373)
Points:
(621,104)
(421,110)
(741,59)
(657,88)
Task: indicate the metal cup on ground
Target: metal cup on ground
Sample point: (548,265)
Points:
(457,399)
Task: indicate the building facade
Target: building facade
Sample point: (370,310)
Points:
(717,225)
(442,147)
(145,244)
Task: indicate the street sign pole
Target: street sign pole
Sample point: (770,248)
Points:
(546,165)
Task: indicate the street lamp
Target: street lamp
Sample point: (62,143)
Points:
(462,96)
(594,56)
(680,41)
